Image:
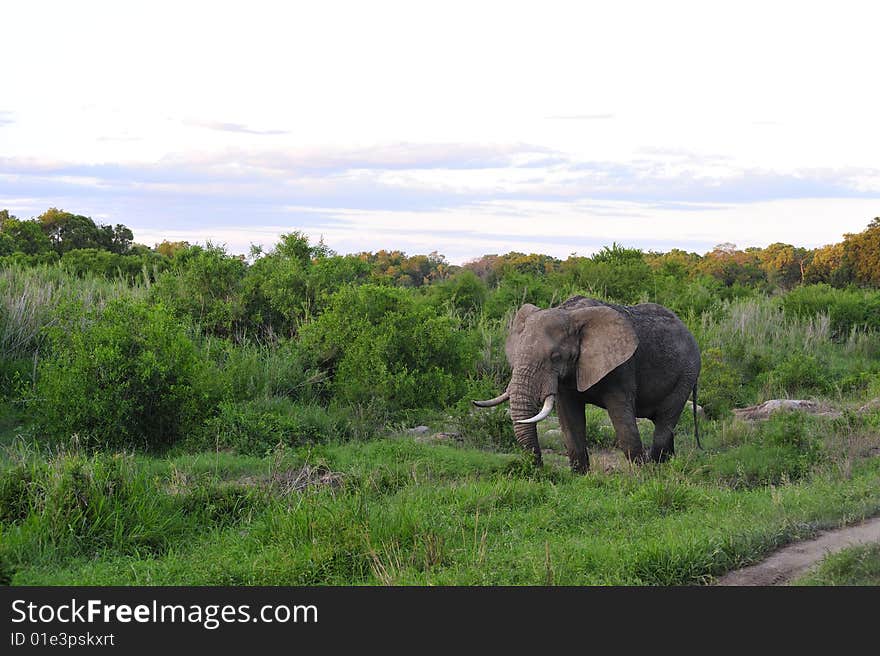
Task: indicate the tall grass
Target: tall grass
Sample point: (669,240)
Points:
(29,296)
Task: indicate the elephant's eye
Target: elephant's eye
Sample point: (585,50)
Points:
(556,356)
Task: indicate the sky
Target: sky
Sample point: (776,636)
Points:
(462,127)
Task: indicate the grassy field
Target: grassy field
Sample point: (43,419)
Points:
(399,510)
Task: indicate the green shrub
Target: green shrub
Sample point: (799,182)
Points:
(256,427)
(518,288)
(124,376)
(379,343)
(15,377)
(204,286)
(847,308)
(485,427)
(799,372)
(294,282)
(249,370)
(795,429)
(720,384)
(464,292)
(16,488)
(786,447)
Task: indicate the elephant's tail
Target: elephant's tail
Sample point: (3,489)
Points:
(696,424)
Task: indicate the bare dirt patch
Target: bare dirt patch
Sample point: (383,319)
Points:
(790,562)
(601,460)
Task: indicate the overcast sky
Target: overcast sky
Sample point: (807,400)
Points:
(467,128)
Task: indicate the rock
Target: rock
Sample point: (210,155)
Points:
(701,414)
(763,411)
(553,432)
(418,430)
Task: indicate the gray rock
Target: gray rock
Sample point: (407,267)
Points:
(764,410)
(418,430)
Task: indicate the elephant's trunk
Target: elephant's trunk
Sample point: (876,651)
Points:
(529,390)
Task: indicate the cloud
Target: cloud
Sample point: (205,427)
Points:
(420,176)
(232,127)
(462,199)
(581,117)
(553,228)
(6,118)
(119,138)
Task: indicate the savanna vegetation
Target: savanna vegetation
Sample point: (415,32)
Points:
(183,415)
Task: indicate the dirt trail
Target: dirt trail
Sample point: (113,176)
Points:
(790,562)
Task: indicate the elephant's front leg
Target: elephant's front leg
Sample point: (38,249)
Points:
(572,422)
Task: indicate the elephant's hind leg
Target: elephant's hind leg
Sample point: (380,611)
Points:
(665,421)
(572,422)
(663,445)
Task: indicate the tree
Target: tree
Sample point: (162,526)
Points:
(861,251)
(732,266)
(67,232)
(784,264)
(171,248)
(22,237)
(826,265)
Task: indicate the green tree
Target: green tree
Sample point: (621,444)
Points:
(18,236)
(378,343)
(784,264)
(861,252)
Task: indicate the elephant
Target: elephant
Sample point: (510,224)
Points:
(633,361)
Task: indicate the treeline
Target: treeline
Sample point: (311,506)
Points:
(84,245)
(125,345)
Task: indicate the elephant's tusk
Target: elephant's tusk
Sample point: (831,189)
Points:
(548,406)
(498,400)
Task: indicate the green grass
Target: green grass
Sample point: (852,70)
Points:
(401,512)
(853,566)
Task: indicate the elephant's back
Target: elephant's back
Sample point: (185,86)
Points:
(668,356)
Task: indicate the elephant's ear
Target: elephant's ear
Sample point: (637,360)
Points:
(607,339)
(516,329)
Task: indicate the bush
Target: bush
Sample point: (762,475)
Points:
(250,371)
(518,288)
(485,427)
(257,427)
(799,372)
(720,385)
(847,308)
(295,282)
(124,376)
(203,286)
(464,292)
(783,448)
(791,429)
(380,343)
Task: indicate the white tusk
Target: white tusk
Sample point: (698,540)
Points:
(498,400)
(548,406)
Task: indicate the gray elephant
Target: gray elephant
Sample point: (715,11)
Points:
(634,361)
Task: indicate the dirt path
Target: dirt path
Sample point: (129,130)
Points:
(790,562)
